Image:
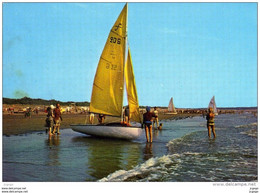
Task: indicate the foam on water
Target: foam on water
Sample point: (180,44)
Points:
(232,156)
(253,129)
(192,167)
(151,170)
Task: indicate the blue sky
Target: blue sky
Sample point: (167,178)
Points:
(188,51)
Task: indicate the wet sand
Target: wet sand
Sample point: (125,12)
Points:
(17,124)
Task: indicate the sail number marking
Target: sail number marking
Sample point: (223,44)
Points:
(115,40)
(111,66)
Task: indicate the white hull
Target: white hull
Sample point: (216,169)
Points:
(120,132)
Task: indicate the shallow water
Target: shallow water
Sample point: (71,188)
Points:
(180,152)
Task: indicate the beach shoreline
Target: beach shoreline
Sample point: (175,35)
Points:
(17,124)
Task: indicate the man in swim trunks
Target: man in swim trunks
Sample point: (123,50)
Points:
(57,119)
(210,122)
(147,121)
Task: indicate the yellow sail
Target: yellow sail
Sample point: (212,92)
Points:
(107,91)
(131,90)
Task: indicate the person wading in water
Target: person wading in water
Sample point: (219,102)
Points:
(57,119)
(147,121)
(210,122)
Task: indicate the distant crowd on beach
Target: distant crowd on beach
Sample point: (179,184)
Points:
(73,109)
(41,109)
(150,121)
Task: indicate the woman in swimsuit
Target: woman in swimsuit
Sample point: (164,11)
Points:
(210,122)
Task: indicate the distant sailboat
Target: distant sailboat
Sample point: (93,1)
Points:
(171,108)
(212,104)
(113,70)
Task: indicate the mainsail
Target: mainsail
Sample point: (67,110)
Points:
(108,86)
(171,107)
(212,104)
(131,90)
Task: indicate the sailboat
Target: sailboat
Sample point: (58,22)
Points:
(114,69)
(212,104)
(171,108)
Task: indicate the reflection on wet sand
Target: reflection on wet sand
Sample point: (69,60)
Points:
(104,156)
(53,143)
(156,133)
(148,151)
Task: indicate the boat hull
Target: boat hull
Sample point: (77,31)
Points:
(120,132)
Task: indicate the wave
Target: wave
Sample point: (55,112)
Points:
(148,171)
(251,125)
(179,140)
(195,158)
(253,132)
(189,167)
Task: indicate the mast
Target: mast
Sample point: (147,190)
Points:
(125,53)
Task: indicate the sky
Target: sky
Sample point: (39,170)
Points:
(188,51)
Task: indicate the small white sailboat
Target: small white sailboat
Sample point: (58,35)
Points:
(171,108)
(114,68)
(212,104)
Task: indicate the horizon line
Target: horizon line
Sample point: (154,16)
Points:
(139,105)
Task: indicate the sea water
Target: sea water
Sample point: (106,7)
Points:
(181,152)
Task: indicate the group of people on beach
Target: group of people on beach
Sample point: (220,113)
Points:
(150,118)
(101,118)
(53,120)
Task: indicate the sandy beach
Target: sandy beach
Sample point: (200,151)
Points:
(16,124)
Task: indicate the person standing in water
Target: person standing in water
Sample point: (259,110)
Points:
(147,121)
(49,120)
(57,118)
(210,122)
(155,120)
